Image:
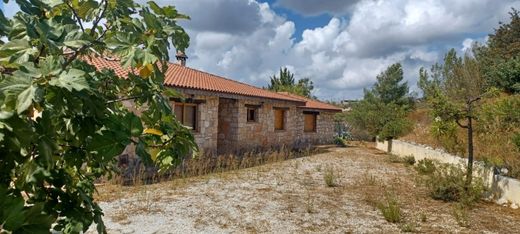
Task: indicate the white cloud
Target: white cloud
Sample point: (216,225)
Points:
(314,7)
(248,41)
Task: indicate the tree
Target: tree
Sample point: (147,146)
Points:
(389,88)
(453,94)
(384,108)
(500,58)
(62,122)
(286,83)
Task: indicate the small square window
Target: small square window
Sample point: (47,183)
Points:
(252,115)
(186,114)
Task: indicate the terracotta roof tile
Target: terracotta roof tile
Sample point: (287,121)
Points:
(185,77)
(311,103)
(189,78)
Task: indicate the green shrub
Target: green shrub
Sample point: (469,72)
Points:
(447,183)
(516,140)
(329,176)
(410,160)
(425,166)
(339,141)
(390,208)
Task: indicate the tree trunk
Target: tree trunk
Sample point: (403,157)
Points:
(389,145)
(469,171)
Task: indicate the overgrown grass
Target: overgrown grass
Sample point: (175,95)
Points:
(425,166)
(390,208)
(330,176)
(447,183)
(204,164)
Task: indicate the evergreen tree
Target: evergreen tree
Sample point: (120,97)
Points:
(500,58)
(384,108)
(285,82)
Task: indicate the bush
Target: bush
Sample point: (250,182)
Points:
(410,160)
(329,177)
(425,166)
(394,158)
(390,208)
(447,183)
(339,141)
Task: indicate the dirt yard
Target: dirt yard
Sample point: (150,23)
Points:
(293,197)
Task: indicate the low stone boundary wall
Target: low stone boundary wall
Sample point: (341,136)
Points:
(504,189)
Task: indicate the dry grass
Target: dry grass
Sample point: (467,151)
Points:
(493,146)
(291,197)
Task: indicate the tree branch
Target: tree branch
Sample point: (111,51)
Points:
(124,99)
(460,125)
(98,19)
(75,15)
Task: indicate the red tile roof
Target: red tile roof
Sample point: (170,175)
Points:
(189,78)
(185,77)
(311,103)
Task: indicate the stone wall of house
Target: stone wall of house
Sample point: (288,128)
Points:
(324,129)
(261,133)
(207,122)
(227,125)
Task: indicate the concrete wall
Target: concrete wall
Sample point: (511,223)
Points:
(504,189)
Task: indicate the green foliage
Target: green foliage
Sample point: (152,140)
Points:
(285,82)
(425,166)
(339,141)
(380,113)
(62,122)
(500,58)
(389,87)
(390,208)
(409,160)
(447,183)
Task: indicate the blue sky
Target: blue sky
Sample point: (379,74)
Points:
(341,45)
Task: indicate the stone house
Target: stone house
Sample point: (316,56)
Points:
(228,116)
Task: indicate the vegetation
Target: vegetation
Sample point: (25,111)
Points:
(425,166)
(330,176)
(384,108)
(465,92)
(285,82)
(390,208)
(62,122)
(500,57)
(447,183)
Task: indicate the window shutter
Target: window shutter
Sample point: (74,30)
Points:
(309,122)
(190,116)
(279,119)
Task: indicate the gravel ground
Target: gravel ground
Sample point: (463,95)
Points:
(292,197)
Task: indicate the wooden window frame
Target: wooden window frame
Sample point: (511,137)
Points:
(255,115)
(314,124)
(183,119)
(284,117)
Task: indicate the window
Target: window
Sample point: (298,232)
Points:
(186,114)
(309,124)
(279,119)
(251,115)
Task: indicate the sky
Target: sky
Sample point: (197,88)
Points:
(341,45)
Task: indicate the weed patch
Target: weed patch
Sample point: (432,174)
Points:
(390,208)
(330,176)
